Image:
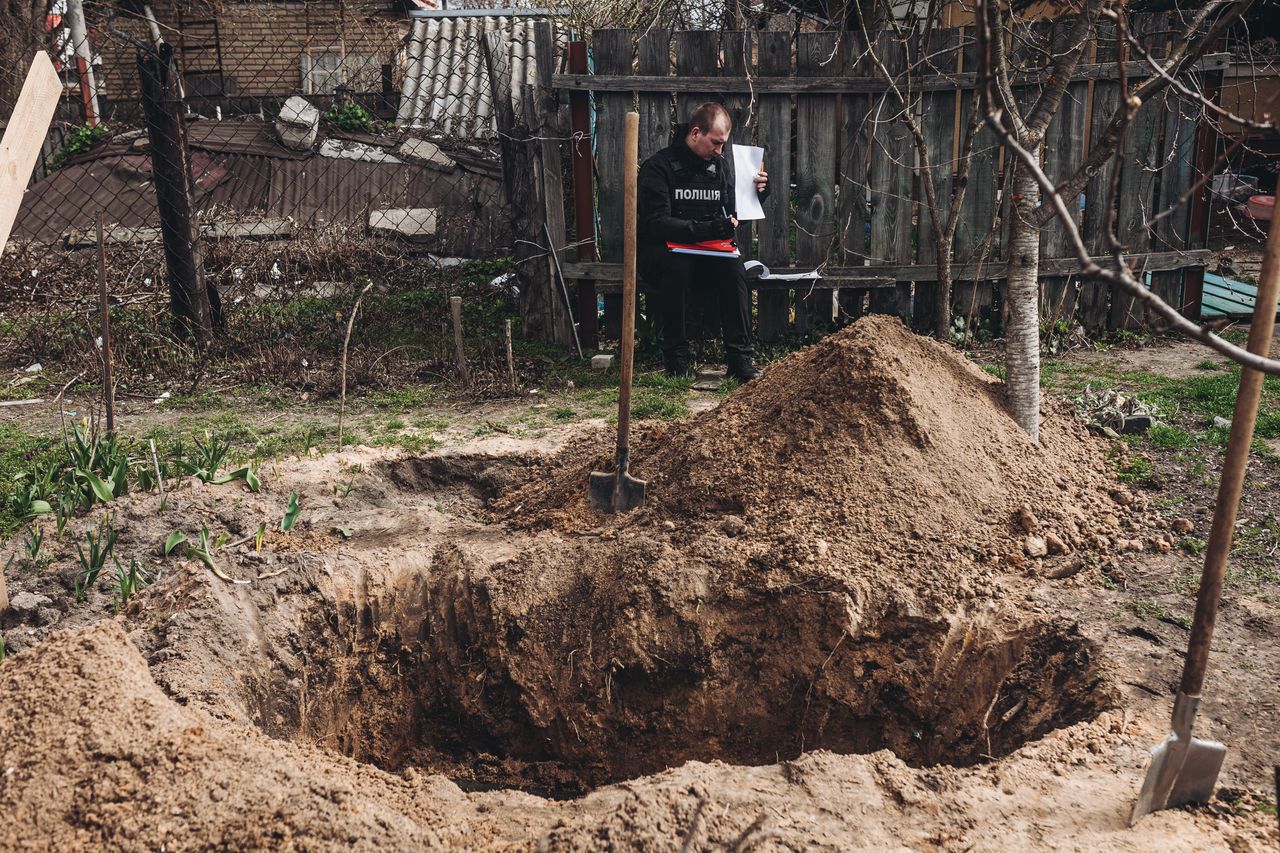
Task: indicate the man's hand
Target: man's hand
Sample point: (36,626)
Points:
(734,220)
(762,180)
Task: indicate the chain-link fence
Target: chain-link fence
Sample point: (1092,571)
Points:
(312,146)
(297,116)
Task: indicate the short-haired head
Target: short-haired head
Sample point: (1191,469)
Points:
(709,128)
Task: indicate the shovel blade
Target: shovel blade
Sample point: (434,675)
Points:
(617,492)
(1181,772)
(1199,773)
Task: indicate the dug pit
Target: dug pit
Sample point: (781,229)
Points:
(572,689)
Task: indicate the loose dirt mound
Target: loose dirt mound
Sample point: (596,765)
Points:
(95,756)
(875,437)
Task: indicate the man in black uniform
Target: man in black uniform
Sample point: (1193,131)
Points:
(686,195)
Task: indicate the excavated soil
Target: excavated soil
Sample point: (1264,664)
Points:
(829,584)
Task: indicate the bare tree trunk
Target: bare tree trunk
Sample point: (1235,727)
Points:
(942,295)
(1022,337)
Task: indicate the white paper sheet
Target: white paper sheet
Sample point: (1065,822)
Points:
(747,161)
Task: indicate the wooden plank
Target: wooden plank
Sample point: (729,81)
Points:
(892,161)
(833,85)
(1193,280)
(938,127)
(978,212)
(697,52)
(815,178)
(584,198)
(1176,179)
(261,229)
(922,272)
(23,136)
(735,52)
(558,323)
(1063,154)
(773,311)
(612,52)
(1095,297)
(1139,162)
(654,59)
(852,198)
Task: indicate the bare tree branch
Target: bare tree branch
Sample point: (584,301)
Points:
(1122,276)
(1198,97)
(1063,69)
(1187,50)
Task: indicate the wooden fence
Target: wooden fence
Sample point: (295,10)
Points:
(832,134)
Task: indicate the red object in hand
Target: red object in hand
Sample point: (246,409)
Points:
(725,248)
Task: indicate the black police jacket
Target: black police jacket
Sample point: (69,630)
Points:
(683,198)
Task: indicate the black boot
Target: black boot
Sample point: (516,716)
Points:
(678,365)
(740,368)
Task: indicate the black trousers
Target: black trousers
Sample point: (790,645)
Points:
(675,277)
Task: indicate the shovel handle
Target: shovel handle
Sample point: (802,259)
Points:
(627,349)
(1261,328)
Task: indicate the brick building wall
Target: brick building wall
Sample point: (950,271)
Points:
(267,49)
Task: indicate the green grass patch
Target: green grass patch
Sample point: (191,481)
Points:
(1206,364)
(654,404)
(1170,438)
(1136,471)
(402,400)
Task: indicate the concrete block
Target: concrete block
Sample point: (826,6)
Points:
(405,221)
(427,153)
(298,124)
(602,362)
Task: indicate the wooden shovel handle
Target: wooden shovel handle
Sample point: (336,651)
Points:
(627,350)
(1224,513)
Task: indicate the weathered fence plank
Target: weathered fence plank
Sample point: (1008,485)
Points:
(831,85)
(697,54)
(735,52)
(612,52)
(892,161)
(1095,297)
(938,126)
(815,178)
(1176,177)
(977,214)
(1063,154)
(887,275)
(851,199)
(1139,164)
(773,307)
(654,59)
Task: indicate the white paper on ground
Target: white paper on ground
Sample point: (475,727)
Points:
(790,276)
(747,162)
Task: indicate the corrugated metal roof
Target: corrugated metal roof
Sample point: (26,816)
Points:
(446,86)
